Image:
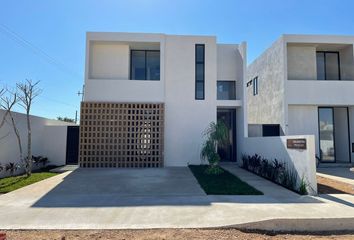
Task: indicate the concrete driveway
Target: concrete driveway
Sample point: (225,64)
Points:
(163,198)
(116,187)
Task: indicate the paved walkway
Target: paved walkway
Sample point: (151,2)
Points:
(340,174)
(64,168)
(101,199)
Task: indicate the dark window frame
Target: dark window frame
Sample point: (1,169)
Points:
(325,65)
(145,56)
(227,81)
(196,64)
(334,134)
(255,86)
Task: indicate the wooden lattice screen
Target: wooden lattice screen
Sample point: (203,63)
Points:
(123,135)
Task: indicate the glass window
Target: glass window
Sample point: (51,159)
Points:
(200,90)
(332,66)
(226,90)
(138,65)
(255,86)
(327,65)
(145,65)
(199,71)
(200,53)
(326,126)
(320,62)
(153,65)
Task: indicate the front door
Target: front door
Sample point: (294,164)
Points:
(72,145)
(326,132)
(228,116)
(334,134)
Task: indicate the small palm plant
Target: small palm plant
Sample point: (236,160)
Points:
(217,134)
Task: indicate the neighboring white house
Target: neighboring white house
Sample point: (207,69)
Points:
(304,84)
(149,97)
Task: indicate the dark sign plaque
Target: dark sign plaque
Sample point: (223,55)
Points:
(299,143)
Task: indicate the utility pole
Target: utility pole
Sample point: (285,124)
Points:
(81,93)
(82,99)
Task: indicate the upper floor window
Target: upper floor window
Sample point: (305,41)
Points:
(199,71)
(255,86)
(226,90)
(328,65)
(145,65)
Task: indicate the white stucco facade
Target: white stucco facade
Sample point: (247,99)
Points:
(291,91)
(107,79)
(49,139)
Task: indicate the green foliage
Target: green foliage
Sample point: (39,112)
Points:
(303,187)
(66,119)
(224,183)
(214,170)
(12,167)
(289,179)
(217,134)
(40,160)
(275,171)
(9,184)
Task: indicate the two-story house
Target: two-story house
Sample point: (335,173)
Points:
(149,97)
(304,84)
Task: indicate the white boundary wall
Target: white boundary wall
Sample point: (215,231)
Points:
(304,161)
(48,139)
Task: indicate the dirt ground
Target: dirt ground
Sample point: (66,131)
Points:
(160,234)
(328,186)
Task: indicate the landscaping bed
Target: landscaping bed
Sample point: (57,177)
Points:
(276,171)
(160,234)
(224,183)
(9,184)
(330,186)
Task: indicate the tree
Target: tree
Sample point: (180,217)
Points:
(27,92)
(66,119)
(7,103)
(217,134)
(3,120)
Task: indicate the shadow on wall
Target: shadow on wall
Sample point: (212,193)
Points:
(175,186)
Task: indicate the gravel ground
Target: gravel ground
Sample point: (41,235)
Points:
(160,234)
(329,186)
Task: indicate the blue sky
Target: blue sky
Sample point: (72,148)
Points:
(58,28)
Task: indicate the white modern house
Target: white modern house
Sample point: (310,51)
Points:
(149,97)
(304,84)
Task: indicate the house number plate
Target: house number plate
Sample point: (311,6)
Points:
(299,143)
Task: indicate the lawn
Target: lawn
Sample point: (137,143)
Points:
(222,184)
(9,184)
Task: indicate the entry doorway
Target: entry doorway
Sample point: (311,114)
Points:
(334,134)
(72,145)
(228,116)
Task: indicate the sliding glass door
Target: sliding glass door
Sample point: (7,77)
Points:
(326,132)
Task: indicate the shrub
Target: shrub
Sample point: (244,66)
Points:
(40,160)
(12,167)
(245,162)
(289,179)
(276,171)
(303,187)
(216,135)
